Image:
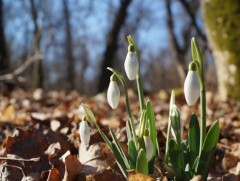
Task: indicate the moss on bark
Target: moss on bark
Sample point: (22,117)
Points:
(222,22)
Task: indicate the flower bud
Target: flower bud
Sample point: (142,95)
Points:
(131,64)
(113,93)
(191,88)
(84,131)
(148,145)
(175,122)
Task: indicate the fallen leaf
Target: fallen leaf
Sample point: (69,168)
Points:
(135,176)
(72,168)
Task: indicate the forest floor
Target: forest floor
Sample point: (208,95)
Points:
(39,137)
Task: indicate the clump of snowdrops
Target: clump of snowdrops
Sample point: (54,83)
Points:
(183,158)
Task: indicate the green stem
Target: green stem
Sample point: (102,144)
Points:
(140,92)
(130,115)
(197,56)
(203,113)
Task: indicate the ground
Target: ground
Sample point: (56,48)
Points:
(40,140)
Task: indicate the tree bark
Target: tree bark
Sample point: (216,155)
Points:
(111,45)
(37,67)
(4,61)
(69,54)
(221,20)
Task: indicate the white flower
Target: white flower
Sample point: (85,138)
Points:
(84,132)
(131,65)
(149,147)
(191,88)
(113,94)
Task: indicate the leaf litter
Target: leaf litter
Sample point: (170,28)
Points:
(40,140)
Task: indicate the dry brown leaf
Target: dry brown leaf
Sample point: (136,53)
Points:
(94,157)
(135,176)
(197,178)
(72,168)
(54,175)
(231,177)
(105,175)
(229,161)
(8,113)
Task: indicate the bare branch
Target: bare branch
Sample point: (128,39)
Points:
(21,69)
(192,15)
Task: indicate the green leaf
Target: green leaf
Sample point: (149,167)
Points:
(128,130)
(123,167)
(120,150)
(172,98)
(211,139)
(193,139)
(174,154)
(93,120)
(152,127)
(132,154)
(172,101)
(172,172)
(207,153)
(142,163)
(142,124)
(89,114)
(185,153)
(196,54)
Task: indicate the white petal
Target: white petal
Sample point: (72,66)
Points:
(149,147)
(131,65)
(84,132)
(191,88)
(113,94)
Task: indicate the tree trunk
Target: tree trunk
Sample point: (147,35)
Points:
(69,54)
(4,61)
(222,24)
(111,45)
(37,67)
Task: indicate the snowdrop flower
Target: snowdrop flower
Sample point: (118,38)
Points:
(148,145)
(113,93)
(131,64)
(84,131)
(192,87)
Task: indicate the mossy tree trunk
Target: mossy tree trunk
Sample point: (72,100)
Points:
(222,22)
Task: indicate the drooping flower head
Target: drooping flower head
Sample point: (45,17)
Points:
(131,64)
(84,131)
(113,93)
(192,85)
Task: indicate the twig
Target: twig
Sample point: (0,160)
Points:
(192,15)
(21,69)
(21,159)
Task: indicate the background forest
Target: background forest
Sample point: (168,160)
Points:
(67,44)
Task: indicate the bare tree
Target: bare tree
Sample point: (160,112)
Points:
(4,61)
(111,44)
(37,67)
(69,54)
(178,51)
